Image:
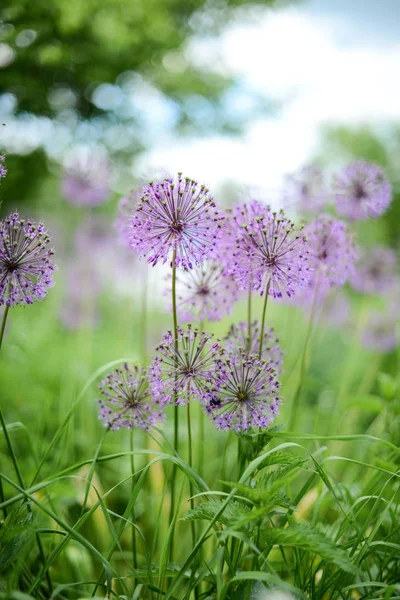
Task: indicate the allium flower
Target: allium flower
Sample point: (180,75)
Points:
(362,191)
(86,181)
(187,371)
(270,250)
(238,339)
(375,271)
(332,252)
(3,170)
(247,393)
(306,190)
(26,261)
(380,334)
(176,214)
(205,292)
(126,400)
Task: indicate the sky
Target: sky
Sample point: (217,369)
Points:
(324,62)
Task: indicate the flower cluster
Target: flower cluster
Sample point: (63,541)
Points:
(206,292)
(86,181)
(362,191)
(26,261)
(126,400)
(241,339)
(177,217)
(184,369)
(271,253)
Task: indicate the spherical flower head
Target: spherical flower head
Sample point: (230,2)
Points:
(205,292)
(238,339)
(86,180)
(362,191)
(186,370)
(306,190)
(271,252)
(380,334)
(247,393)
(126,400)
(3,170)
(26,261)
(332,251)
(375,271)
(176,215)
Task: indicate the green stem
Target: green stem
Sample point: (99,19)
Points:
(263,318)
(133,485)
(190,462)
(3,323)
(303,366)
(143,317)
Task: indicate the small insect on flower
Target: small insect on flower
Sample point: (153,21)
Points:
(238,339)
(362,191)
(271,252)
(126,401)
(247,393)
(3,170)
(306,190)
(176,215)
(376,271)
(332,251)
(86,180)
(26,261)
(184,371)
(205,292)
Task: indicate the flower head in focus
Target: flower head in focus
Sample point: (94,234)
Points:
(362,191)
(205,292)
(176,215)
(26,261)
(247,393)
(126,400)
(184,371)
(270,251)
(375,271)
(3,170)
(86,180)
(306,190)
(238,339)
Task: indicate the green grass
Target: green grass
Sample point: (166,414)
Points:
(314,511)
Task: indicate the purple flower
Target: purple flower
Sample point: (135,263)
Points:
(26,261)
(247,393)
(238,339)
(3,170)
(375,271)
(362,191)
(269,251)
(176,214)
(380,333)
(126,400)
(205,292)
(185,371)
(306,190)
(332,251)
(86,181)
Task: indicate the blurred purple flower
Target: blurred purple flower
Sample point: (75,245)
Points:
(269,249)
(86,180)
(362,191)
(176,214)
(127,400)
(238,339)
(186,371)
(26,261)
(3,170)
(375,271)
(336,308)
(122,222)
(306,190)
(380,334)
(332,251)
(205,292)
(247,393)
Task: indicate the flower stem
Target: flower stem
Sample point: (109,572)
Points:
(176,408)
(133,484)
(263,318)
(143,318)
(3,323)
